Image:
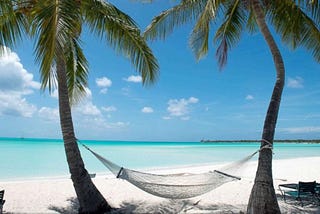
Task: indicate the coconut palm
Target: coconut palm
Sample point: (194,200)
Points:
(56,27)
(296,21)
(12,25)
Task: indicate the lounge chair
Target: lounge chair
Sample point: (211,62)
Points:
(1,200)
(300,191)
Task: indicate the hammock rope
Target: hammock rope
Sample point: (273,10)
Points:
(175,186)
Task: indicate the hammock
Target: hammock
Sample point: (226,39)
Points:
(173,186)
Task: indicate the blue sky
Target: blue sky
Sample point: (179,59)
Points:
(190,101)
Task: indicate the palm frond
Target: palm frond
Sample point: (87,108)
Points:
(199,39)
(311,7)
(122,34)
(54,23)
(97,13)
(77,70)
(314,8)
(12,24)
(228,34)
(296,26)
(252,26)
(163,24)
(44,27)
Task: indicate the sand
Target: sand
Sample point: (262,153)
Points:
(56,195)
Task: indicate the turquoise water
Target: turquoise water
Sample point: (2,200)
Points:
(30,158)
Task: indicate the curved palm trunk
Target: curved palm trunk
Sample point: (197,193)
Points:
(263,199)
(90,199)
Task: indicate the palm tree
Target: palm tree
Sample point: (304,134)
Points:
(56,26)
(12,25)
(296,21)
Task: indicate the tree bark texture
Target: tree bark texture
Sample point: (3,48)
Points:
(263,199)
(90,199)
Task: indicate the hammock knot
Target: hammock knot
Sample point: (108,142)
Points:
(267,146)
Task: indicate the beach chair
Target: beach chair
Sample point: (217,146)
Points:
(1,200)
(301,191)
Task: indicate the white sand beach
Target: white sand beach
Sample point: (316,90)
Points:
(56,195)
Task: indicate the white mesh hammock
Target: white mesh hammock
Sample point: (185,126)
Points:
(173,186)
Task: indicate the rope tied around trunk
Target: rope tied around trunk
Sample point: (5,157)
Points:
(268,146)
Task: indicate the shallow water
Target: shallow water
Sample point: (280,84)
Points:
(31,158)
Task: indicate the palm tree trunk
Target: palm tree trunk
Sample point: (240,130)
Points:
(263,199)
(90,199)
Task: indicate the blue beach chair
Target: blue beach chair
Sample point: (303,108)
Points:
(301,191)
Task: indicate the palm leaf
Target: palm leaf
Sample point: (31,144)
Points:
(311,7)
(252,26)
(12,24)
(77,70)
(55,22)
(163,24)
(44,27)
(229,32)
(199,38)
(296,26)
(122,34)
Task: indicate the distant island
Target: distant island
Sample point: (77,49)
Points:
(257,141)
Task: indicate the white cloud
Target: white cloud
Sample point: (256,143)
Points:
(118,124)
(13,77)
(193,100)
(185,118)
(86,107)
(301,130)
(249,97)
(295,82)
(99,124)
(104,90)
(103,83)
(134,79)
(166,118)
(109,108)
(50,114)
(55,94)
(15,83)
(89,109)
(89,117)
(87,95)
(147,110)
(180,108)
(15,105)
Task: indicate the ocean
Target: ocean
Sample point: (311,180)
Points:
(41,158)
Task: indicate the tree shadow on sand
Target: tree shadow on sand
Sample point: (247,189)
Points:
(174,206)
(70,209)
(166,207)
(293,205)
(188,206)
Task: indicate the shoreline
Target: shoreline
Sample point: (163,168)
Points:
(161,170)
(196,168)
(51,195)
(201,141)
(314,141)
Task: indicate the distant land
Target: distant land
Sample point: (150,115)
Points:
(257,141)
(202,141)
